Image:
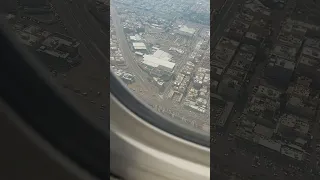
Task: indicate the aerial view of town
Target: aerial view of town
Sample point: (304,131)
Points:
(265,67)
(161,50)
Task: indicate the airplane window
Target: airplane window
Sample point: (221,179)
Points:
(161,59)
(161,52)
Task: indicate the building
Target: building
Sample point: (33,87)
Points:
(262,111)
(285,52)
(220,110)
(267,92)
(298,106)
(309,60)
(290,27)
(237,29)
(139,46)
(224,52)
(291,125)
(59,52)
(290,39)
(125,76)
(309,67)
(175,96)
(186,31)
(158,64)
(135,38)
(202,76)
(181,83)
(231,84)
(230,88)
(279,70)
(252,38)
(263,131)
(274,148)
(194,102)
(217,72)
(243,60)
(301,88)
(236,74)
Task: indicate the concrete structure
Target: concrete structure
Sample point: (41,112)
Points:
(230,88)
(279,70)
(220,111)
(293,125)
(186,31)
(290,39)
(135,38)
(285,52)
(262,111)
(309,60)
(237,29)
(301,107)
(139,46)
(59,46)
(243,60)
(224,52)
(158,64)
(267,92)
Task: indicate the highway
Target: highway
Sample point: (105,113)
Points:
(141,76)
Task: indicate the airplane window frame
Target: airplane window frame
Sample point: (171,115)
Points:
(135,105)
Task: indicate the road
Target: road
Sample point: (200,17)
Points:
(141,76)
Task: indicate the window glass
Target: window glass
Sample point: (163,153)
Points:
(161,50)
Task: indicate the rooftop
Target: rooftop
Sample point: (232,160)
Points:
(158,58)
(139,46)
(309,61)
(162,55)
(152,61)
(265,91)
(281,62)
(285,51)
(187,30)
(263,131)
(311,52)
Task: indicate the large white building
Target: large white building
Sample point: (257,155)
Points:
(159,63)
(184,30)
(139,46)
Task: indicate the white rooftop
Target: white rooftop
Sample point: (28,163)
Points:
(155,62)
(135,38)
(162,55)
(139,45)
(185,29)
